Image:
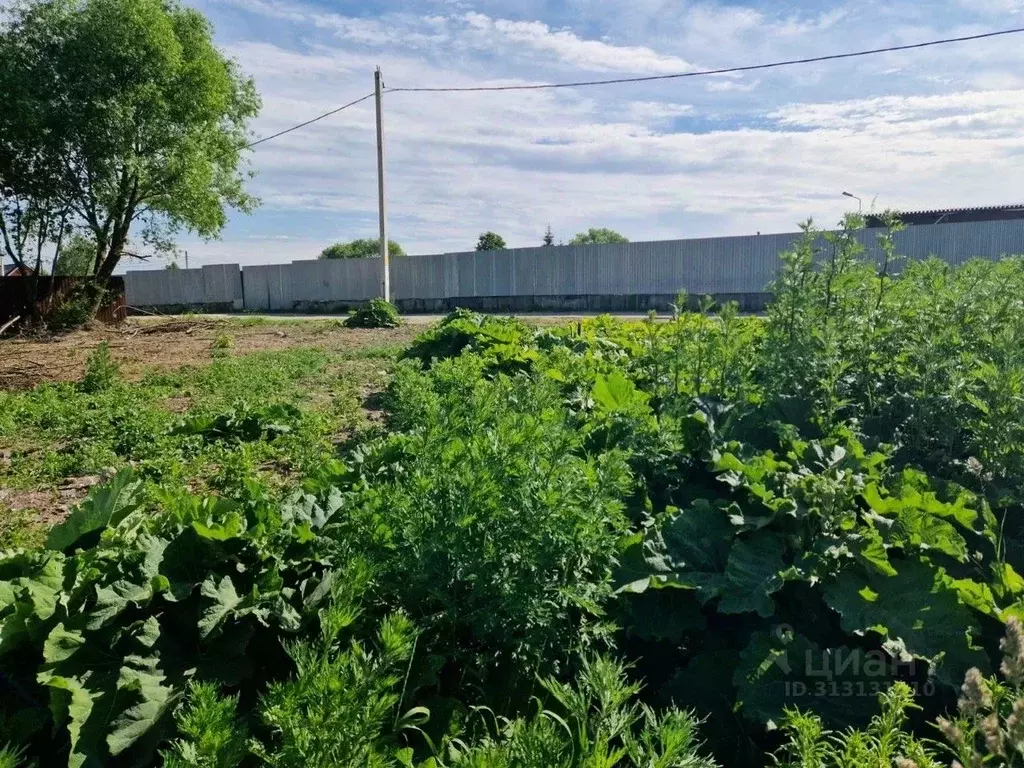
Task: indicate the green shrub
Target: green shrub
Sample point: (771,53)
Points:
(101,370)
(105,628)
(222,342)
(504,341)
(339,711)
(241,424)
(799,575)
(128,610)
(885,743)
(211,734)
(783,506)
(988,728)
(595,720)
(927,361)
(76,309)
(773,521)
(488,525)
(376,313)
(340,708)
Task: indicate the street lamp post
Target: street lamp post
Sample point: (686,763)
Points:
(860,203)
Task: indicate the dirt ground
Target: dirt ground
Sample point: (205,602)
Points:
(51,505)
(141,345)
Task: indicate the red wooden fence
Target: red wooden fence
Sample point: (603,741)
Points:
(16,292)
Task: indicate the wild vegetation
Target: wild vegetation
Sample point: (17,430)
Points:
(217,425)
(794,539)
(122,122)
(376,313)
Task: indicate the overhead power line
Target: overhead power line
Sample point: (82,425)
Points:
(648,78)
(316,119)
(707,72)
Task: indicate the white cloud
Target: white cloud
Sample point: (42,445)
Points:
(647,112)
(463,163)
(589,55)
(245,250)
(715,156)
(974,111)
(723,86)
(994,7)
(474,31)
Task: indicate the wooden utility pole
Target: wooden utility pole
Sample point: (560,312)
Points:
(382,202)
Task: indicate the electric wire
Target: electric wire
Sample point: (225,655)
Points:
(646,78)
(316,119)
(709,72)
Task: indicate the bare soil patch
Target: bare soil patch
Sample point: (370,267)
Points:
(144,345)
(51,506)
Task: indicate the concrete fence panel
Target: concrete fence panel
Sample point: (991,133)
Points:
(165,288)
(627,276)
(222,284)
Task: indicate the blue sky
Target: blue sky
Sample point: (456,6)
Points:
(686,158)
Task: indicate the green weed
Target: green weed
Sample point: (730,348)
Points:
(884,743)
(101,371)
(222,343)
(376,313)
(58,431)
(19,530)
(487,524)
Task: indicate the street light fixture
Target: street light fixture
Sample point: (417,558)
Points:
(860,203)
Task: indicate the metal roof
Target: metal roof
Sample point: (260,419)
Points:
(954,215)
(976,209)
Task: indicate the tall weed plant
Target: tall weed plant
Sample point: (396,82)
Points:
(489,525)
(923,357)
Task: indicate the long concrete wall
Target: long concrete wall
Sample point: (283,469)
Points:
(636,276)
(310,285)
(214,288)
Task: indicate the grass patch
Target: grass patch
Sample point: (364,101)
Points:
(384,352)
(58,431)
(19,529)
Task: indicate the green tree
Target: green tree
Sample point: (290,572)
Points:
(549,237)
(75,257)
(360,249)
(598,236)
(490,241)
(122,115)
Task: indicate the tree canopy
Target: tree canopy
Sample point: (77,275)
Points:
(490,241)
(360,249)
(75,257)
(598,236)
(549,237)
(120,118)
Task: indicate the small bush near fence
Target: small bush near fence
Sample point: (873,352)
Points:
(376,313)
(75,309)
(62,302)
